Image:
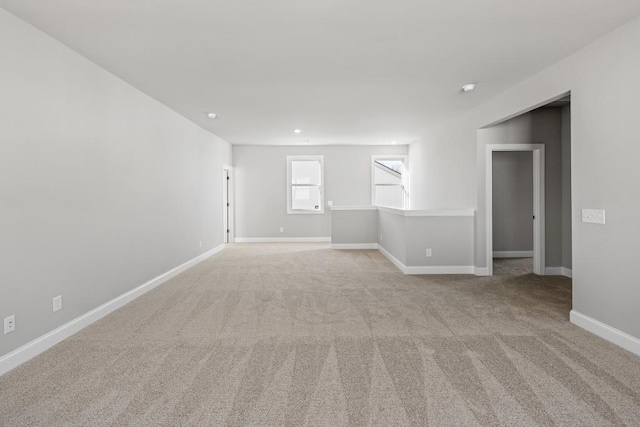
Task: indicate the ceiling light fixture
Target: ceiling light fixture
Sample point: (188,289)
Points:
(394,142)
(212,115)
(468,87)
(297,131)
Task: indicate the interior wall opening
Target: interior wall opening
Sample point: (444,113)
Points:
(508,199)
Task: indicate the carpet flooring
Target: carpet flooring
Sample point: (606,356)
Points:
(298,334)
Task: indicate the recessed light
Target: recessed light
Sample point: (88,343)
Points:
(468,87)
(394,142)
(212,115)
(297,131)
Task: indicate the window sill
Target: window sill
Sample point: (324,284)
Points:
(291,212)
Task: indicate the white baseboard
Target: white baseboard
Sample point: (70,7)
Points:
(513,254)
(558,271)
(616,336)
(22,354)
(440,269)
(481,271)
(391,258)
(431,269)
(282,240)
(354,246)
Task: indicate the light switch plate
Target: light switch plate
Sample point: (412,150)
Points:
(594,216)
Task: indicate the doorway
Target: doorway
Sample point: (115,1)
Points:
(538,210)
(512,212)
(227,204)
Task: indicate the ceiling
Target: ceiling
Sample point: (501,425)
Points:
(342,71)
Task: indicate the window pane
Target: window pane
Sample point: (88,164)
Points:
(388,180)
(385,175)
(305,198)
(389,196)
(305,172)
(395,165)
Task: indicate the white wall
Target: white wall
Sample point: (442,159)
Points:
(602,79)
(261,187)
(101,187)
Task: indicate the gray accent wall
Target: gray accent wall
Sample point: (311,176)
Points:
(449,237)
(512,201)
(354,226)
(392,234)
(602,80)
(407,235)
(102,188)
(261,187)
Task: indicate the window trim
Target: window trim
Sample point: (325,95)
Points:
(405,179)
(290,210)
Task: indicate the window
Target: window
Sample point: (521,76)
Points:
(305,176)
(390,182)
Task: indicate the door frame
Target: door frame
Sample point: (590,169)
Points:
(538,202)
(228,198)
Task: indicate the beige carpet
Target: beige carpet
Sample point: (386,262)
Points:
(298,334)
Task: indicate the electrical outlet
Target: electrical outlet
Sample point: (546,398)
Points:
(330,203)
(9,324)
(428,252)
(57,303)
(282,229)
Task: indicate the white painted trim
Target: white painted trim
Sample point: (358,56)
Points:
(391,258)
(441,212)
(226,169)
(427,269)
(354,208)
(20,355)
(437,269)
(616,336)
(391,210)
(513,254)
(558,271)
(283,240)
(481,271)
(538,202)
(354,246)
